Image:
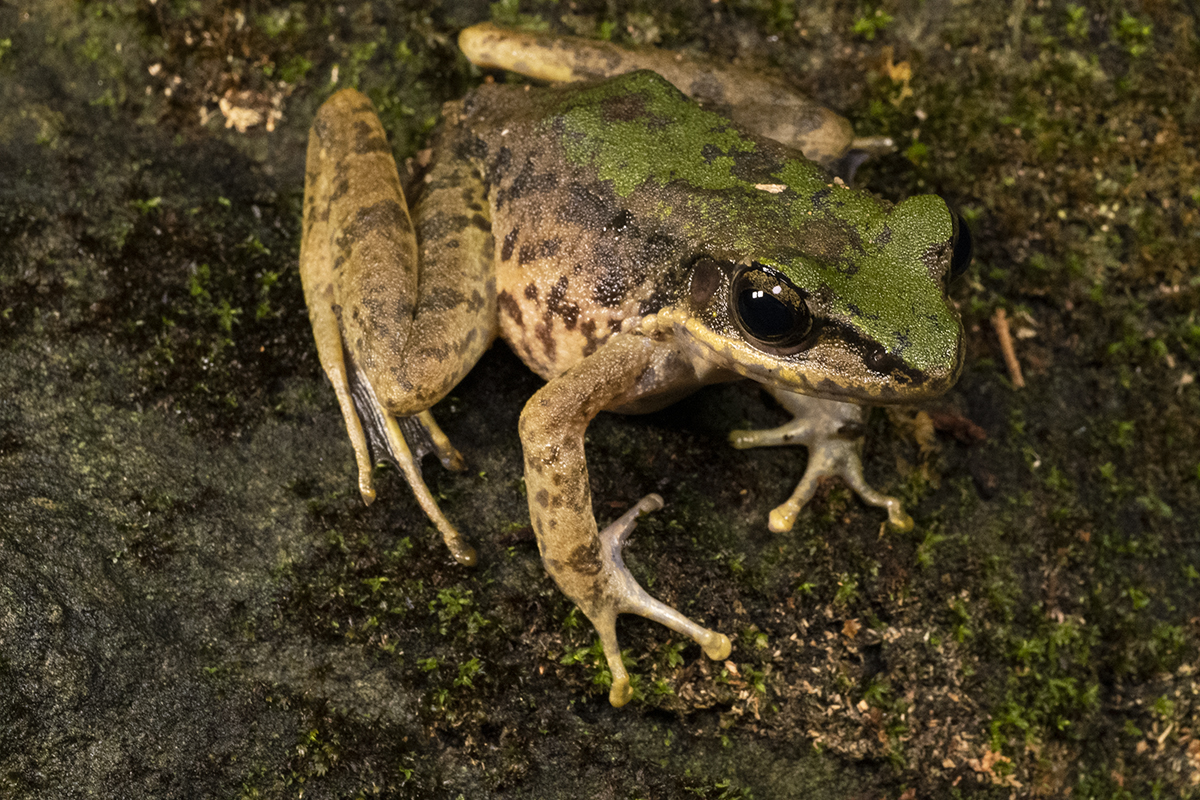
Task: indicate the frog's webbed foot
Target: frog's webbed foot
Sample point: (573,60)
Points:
(833,433)
(404,441)
(628,597)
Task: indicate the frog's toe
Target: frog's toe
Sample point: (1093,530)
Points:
(403,456)
(449,456)
(782,518)
(718,647)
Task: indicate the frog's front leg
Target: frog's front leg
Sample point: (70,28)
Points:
(833,432)
(401,307)
(585,562)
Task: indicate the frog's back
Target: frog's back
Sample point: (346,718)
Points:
(574,261)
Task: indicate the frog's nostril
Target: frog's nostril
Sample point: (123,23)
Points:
(876,358)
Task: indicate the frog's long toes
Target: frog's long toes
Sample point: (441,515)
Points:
(617,533)
(850,470)
(631,598)
(621,691)
(459,548)
(463,553)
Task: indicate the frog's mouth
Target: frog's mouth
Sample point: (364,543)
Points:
(838,364)
(843,365)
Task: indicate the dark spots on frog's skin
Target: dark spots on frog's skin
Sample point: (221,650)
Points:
(470,199)
(320,126)
(835,243)
(443,298)
(387,217)
(543,249)
(510,241)
(588,329)
(620,223)
(855,311)
(624,108)
(875,356)
(471,147)
(439,226)
(877,359)
(557,305)
(585,559)
(542,498)
(481,222)
(502,162)
(611,284)
(509,305)
(755,166)
(587,209)
(657,299)
(368,142)
(339,189)
(659,248)
(936,259)
(527,181)
(545,335)
(531,292)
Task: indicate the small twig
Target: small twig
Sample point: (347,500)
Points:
(1000,325)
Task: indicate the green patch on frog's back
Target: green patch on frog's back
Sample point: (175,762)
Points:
(639,127)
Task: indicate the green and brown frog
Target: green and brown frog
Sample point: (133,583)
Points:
(631,246)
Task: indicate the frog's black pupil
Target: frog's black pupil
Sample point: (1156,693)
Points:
(764,315)
(771,311)
(960,259)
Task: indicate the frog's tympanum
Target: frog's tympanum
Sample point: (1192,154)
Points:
(630,246)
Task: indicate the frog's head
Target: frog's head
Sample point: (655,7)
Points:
(848,303)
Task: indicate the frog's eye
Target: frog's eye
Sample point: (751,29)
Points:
(770,310)
(960,258)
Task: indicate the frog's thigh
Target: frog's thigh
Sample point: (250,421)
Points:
(833,432)
(584,562)
(456,303)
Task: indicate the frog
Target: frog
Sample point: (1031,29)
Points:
(630,246)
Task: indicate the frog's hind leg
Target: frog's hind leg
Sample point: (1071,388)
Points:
(401,307)
(833,433)
(585,562)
